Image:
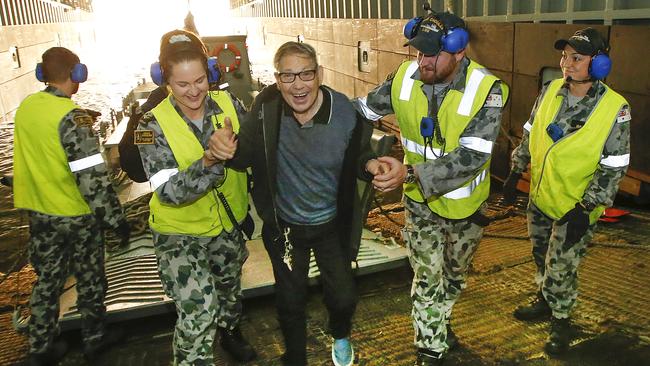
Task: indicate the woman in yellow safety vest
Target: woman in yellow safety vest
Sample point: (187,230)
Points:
(197,205)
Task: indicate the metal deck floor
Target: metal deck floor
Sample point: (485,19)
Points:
(135,291)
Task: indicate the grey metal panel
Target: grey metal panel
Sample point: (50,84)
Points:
(135,290)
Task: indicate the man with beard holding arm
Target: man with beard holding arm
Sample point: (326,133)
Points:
(449,109)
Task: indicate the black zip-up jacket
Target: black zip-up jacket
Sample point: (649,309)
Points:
(257,148)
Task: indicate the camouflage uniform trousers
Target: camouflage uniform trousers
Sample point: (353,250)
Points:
(441,251)
(203,277)
(58,247)
(557,263)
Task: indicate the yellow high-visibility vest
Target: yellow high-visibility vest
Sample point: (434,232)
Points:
(561,171)
(43,181)
(206,216)
(456,111)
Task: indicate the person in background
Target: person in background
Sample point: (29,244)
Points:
(197,205)
(306,146)
(449,111)
(61,179)
(577,141)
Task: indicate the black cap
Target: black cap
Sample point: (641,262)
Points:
(431,30)
(586,41)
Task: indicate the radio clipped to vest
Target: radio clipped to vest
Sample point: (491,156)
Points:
(430,130)
(555,131)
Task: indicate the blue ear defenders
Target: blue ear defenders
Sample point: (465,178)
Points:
(453,40)
(213,71)
(600,66)
(410,28)
(79,73)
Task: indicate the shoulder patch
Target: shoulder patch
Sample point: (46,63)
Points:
(493,100)
(623,115)
(83,120)
(143,137)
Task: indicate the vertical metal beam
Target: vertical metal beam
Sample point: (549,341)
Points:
(608,17)
(537,11)
(20,5)
(29,12)
(3,13)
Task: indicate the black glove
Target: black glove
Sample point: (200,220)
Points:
(123,231)
(577,220)
(510,188)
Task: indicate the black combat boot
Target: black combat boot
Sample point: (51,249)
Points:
(110,338)
(233,342)
(537,309)
(452,340)
(52,356)
(428,358)
(559,337)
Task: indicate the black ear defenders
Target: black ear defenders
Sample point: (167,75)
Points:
(453,40)
(79,73)
(214,74)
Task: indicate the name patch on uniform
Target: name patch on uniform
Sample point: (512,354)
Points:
(83,120)
(143,137)
(493,100)
(623,115)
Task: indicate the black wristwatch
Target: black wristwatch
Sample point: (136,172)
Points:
(588,205)
(410,174)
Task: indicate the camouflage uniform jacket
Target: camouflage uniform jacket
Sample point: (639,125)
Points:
(604,184)
(451,171)
(79,141)
(192,183)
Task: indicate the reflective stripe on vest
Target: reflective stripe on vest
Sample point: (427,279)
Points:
(206,216)
(85,163)
(456,111)
(561,171)
(43,180)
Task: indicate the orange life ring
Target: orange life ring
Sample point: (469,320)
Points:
(230,47)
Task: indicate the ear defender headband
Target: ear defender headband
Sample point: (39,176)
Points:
(79,73)
(453,40)
(600,65)
(156,72)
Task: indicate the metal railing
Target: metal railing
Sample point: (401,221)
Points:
(25,12)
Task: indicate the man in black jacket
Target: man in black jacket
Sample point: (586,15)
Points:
(306,146)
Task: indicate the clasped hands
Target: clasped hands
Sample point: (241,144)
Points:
(222,145)
(389,173)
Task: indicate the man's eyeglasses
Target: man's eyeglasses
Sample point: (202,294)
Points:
(290,77)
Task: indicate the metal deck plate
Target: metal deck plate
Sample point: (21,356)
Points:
(134,288)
